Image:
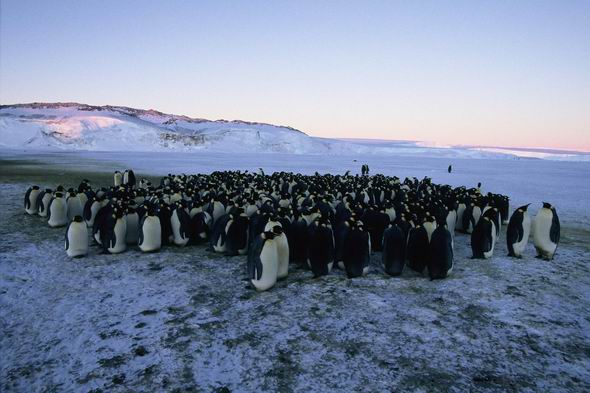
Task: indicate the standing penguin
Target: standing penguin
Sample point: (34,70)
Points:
(450,169)
(282,248)
(321,247)
(357,251)
(57,211)
(440,261)
(236,240)
(417,249)
(483,239)
(519,229)
(117,179)
(77,238)
(546,231)
(180,223)
(394,250)
(113,232)
(75,206)
(43,202)
(263,261)
(150,231)
(31,200)
(132,217)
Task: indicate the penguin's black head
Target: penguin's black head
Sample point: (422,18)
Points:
(78,219)
(525,207)
(277,229)
(546,205)
(35,187)
(269,235)
(59,195)
(48,190)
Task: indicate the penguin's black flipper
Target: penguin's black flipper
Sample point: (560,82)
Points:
(555,231)
(87,214)
(39,201)
(254,262)
(67,240)
(49,210)
(140,228)
(27,202)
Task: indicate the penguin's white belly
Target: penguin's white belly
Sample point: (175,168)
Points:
(451,221)
(132,228)
(270,267)
(519,247)
(541,235)
(430,227)
(152,234)
(120,231)
(476,214)
(59,213)
(282,256)
(489,254)
(179,240)
(77,240)
(341,265)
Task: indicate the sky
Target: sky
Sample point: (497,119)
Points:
(497,73)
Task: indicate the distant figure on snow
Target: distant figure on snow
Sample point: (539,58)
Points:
(450,168)
(365,169)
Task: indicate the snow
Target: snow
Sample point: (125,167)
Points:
(496,325)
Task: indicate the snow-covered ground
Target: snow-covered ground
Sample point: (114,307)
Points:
(185,320)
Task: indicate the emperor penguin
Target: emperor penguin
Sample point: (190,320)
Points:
(31,200)
(394,250)
(117,179)
(357,251)
(418,248)
(321,247)
(519,229)
(219,233)
(75,207)
(57,211)
(263,261)
(43,202)
(430,225)
(483,239)
(113,232)
(201,224)
(180,222)
(546,231)
(77,238)
(340,234)
(236,233)
(132,217)
(129,177)
(91,208)
(460,210)
(150,231)
(217,210)
(440,261)
(282,243)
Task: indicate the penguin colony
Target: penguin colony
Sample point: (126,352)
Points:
(315,222)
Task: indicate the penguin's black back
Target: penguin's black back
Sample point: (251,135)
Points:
(441,253)
(394,250)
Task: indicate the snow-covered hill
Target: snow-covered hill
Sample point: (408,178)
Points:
(75,127)
(83,127)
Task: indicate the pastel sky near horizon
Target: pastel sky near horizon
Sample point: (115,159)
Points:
(500,73)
